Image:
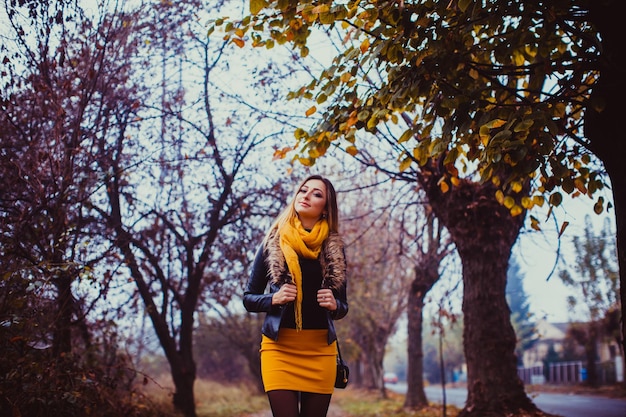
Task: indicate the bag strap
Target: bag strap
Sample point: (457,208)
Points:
(339,351)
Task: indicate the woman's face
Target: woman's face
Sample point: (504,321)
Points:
(310,202)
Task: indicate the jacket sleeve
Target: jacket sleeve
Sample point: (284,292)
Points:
(254,297)
(341,294)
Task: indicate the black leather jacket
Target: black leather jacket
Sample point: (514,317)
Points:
(256,300)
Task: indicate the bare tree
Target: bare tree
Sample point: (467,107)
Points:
(183,197)
(63,73)
(432,246)
(595,276)
(378,273)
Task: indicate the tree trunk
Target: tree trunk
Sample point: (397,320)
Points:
(62,341)
(184,376)
(489,338)
(484,233)
(415,395)
(374,361)
(424,280)
(591,352)
(604,127)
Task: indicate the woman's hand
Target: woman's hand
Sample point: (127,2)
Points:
(326,299)
(286,294)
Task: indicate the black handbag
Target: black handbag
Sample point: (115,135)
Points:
(343,372)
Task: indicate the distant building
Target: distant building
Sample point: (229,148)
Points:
(552,339)
(550,335)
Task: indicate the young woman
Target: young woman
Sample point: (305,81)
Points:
(302,257)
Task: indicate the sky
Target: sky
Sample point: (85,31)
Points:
(538,254)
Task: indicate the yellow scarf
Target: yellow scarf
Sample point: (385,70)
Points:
(295,241)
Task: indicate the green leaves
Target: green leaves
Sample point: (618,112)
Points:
(481,92)
(257,5)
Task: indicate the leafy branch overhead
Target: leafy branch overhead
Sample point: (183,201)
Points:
(495,89)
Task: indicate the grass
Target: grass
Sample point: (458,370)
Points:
(219,400)
(364,403)
(215,399)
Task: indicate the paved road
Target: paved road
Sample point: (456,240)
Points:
(566,405)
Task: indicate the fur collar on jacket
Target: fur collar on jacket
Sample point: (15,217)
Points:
(332,260)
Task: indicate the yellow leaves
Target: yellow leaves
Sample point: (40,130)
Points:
(316,152)
(405,164)
(257,5)
(300,134)
(322,8)
(485,130)
(296,24)
(560,110)
(408,134)
(530,51)
(365,45)
(240,33)
(580,185)
(526,203)
(598,207)
(421,154)
(500,196)
(352,150)
(524,125)
(556,199)
(508,202)
(321,12)
(443,186)
(539,200)
(518,58)
(307,162)
(516,186)
(281,153)
(372,122)
(534,223)
(501,136)
(484,135)
(494,124)
(310,111)
(352,119)
(258,41)
(464,4)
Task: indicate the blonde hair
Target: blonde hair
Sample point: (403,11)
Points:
(331,210)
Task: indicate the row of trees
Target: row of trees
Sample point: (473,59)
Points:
(488,106)
(130,186)
(134,188)
(133,185)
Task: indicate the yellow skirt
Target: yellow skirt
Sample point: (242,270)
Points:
(299,361)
